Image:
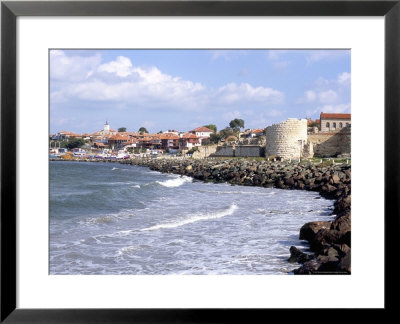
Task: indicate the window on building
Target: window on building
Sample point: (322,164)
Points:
(334,125)
(328,125)
(340,125)
(347,124)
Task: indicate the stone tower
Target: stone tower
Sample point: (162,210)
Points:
(286,139)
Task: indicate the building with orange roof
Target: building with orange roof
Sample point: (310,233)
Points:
(330,122)
(188,141)
(63,135)
(256,132)
(201,131)
(118,140)
(169,141)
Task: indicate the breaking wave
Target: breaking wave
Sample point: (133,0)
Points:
(175,182)
(199,217)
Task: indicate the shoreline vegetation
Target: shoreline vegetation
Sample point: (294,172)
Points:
(330,241)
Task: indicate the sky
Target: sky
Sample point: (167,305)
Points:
(184,89)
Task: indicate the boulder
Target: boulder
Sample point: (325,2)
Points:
(342,223)
(309,230)
(297,256)
(308,267)
(323,239)
(345,263)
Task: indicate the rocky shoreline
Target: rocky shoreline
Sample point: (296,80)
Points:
(330,241)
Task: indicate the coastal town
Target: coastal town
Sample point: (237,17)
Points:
(328,136)
(281,156)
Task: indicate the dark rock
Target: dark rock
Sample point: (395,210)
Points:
(309,230)
(297,256)
(308,267)
(342,223)
(345,239)
(342,249)
(331,253)
(345,264)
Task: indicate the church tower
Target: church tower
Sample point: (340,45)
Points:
(106,127)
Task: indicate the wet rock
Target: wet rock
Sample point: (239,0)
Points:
(309,230)
(308,267)
(342,223)
(298,256)
(345,263)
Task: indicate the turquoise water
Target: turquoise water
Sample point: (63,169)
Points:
(109,218)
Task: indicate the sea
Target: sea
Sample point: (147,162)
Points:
(111,218)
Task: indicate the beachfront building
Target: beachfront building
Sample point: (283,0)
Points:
(201,131)
(169,141)
(330,122)
(188,141)
(118,140)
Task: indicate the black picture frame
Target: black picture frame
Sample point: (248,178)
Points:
(10,10)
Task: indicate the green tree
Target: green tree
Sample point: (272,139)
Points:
(226,132)
(215,138)
(74,143)
(212,127)
(143,130)
(122,129)
(236,124)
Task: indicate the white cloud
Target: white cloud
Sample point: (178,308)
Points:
(233,93)
(342,108)
(121,67)
(327,97)
(121,82)
(328,91)
(325,55)
(344,78)
(71,68)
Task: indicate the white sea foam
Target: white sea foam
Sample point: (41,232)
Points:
(114,169)
(100,220)
(175,182)
(197,217)
(127,249)
(136,186)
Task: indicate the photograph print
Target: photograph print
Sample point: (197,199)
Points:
(199,162)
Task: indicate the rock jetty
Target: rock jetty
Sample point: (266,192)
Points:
(330,241)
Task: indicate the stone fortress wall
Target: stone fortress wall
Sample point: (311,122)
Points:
(204,151)
(239,151)
(286,139)
(331,144)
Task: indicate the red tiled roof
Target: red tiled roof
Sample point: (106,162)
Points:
(169,137)
(70,133)
(201,129)
(189,136)
(257,131)
(119,138)
(335,116)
